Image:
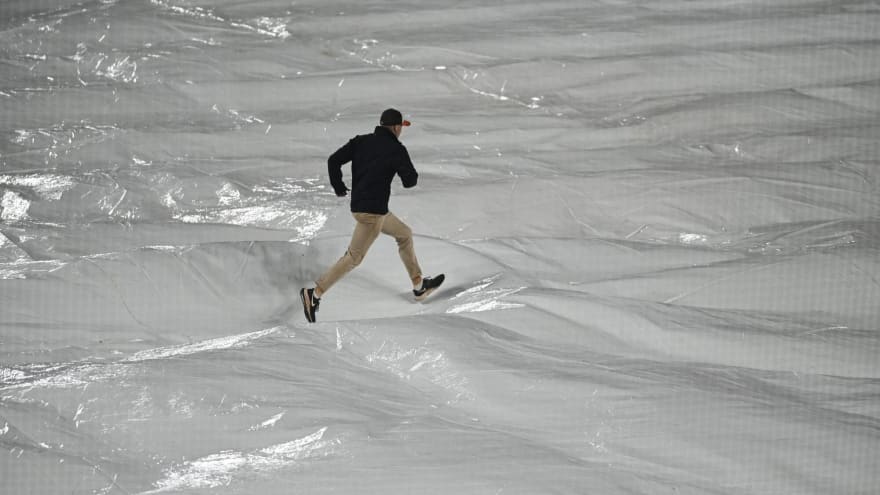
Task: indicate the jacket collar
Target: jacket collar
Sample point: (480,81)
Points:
(382,130)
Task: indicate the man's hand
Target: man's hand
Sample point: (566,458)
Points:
(342,191)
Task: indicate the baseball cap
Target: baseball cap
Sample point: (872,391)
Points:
(393,117)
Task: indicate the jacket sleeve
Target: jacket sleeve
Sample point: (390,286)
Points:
(334,165)
(406,170)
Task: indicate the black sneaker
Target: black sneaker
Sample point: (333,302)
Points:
(310,303)
(428,286)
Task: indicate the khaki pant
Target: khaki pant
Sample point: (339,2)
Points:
(367,229)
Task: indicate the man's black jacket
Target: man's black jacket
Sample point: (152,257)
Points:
(375,158)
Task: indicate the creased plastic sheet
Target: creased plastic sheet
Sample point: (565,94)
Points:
(659,224)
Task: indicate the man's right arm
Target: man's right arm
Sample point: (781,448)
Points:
(334,167)
(406,170)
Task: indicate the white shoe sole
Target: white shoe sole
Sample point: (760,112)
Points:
(303,295)
(428,292)
(425,295)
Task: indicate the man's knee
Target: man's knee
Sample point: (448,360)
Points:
(404,235)
(355,257)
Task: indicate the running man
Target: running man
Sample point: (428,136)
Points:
(375,159)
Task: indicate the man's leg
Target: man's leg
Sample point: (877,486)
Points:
(366,230)
(401,232)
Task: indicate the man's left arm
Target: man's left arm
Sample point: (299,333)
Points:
(334,167)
